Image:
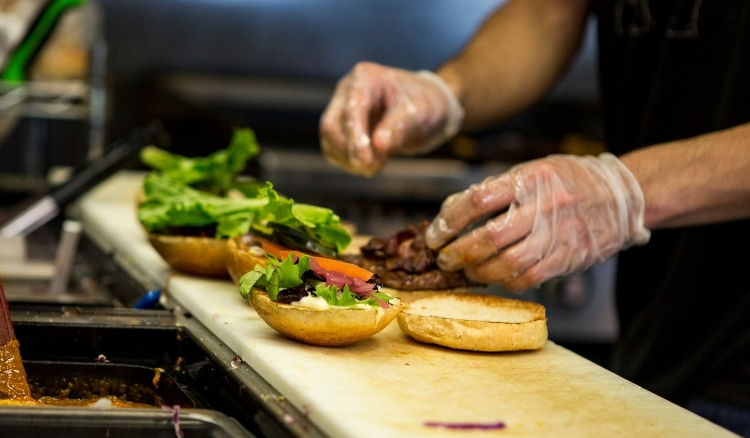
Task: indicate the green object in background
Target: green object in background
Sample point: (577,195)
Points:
(16,69)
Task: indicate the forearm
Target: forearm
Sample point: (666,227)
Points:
(515,58)
(697,181)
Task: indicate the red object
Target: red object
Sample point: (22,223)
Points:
(339,279)
(349,269)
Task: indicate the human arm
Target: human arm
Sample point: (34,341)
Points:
(515,58)
(512,61)
(697,181)
(565,213)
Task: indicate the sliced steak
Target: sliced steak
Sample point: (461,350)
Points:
(405,262)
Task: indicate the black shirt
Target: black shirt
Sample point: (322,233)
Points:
(670,70)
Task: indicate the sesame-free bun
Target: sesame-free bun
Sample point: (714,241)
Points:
(193,255)
(408,296)
(243,256)
(476,322)
(331,327)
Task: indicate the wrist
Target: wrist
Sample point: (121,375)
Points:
(632,203)
(453,80)
(454,114)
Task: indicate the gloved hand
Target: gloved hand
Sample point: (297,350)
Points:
(553,216)
(377,111)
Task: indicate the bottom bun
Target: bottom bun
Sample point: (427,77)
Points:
(475,322)
(241,259)
(193,255)
(328,327)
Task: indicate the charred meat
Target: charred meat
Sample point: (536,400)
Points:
(404,261)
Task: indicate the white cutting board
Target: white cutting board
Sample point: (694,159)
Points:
(390,385)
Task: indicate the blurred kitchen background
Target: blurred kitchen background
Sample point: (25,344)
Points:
(202,67)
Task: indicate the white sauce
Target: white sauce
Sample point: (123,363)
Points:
(312,302)
(319,303)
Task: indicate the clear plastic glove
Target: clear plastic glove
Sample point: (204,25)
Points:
(553,216)
(377,111)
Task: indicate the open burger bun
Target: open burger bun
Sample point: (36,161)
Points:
(326,328)
(243,256)
(475,322)
(409,296)
(193,255)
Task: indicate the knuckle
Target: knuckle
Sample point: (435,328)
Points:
(546,168)
(477,196)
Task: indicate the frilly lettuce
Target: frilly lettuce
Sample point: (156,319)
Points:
(277,276)
(191,192)
(215,173)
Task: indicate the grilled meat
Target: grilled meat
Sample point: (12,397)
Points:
(405,262)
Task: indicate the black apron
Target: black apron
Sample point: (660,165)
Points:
(670,70)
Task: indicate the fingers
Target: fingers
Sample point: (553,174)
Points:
(463,209)
(332,137)
(377,111)
(346,123)
(395,128)
(487,240)
(362,100)
(524,265)
(565,214)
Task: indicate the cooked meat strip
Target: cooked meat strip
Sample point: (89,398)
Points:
(404,261)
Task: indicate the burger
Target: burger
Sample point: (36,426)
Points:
(192,207)
(317,300)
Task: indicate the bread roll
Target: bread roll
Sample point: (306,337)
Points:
(242,258)
(470,321)
(193,255)
(333,327)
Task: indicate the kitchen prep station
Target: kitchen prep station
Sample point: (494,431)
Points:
(230,374)
(206,298)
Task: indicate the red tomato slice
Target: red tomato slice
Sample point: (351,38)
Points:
(349,269)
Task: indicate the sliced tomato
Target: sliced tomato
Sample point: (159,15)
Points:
(349,269)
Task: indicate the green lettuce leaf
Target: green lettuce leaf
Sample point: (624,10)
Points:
(192,192)
(169,203)
(215,173)
(278,276)
(249,280)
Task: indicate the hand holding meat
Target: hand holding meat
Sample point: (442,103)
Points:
(553,216)
(377,111)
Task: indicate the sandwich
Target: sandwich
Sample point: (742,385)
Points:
(317,300)
(192,207)
(183,203)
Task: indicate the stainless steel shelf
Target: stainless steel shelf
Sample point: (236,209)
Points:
(68,100)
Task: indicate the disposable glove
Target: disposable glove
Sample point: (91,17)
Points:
(552,217)
(377,111)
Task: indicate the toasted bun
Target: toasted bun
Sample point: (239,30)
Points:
(408,296)
(327,328)
(241,258)
(475,322)
(193,255)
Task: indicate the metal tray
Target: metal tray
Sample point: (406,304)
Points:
(201,371)
(132,383)
(116,423)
